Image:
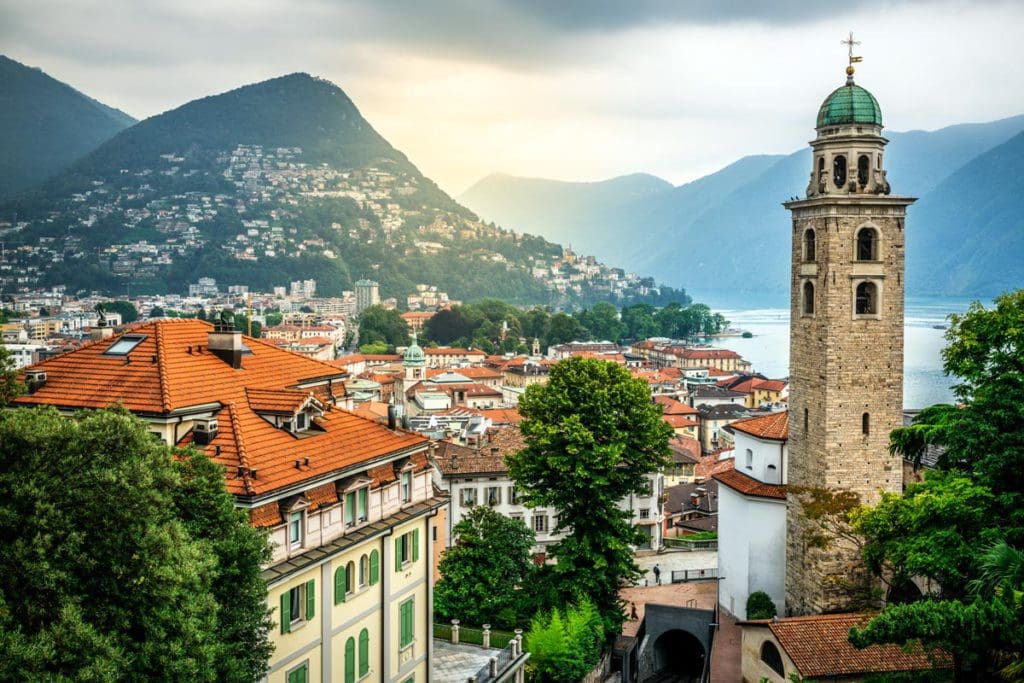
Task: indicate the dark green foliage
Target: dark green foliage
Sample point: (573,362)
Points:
(487,577)
(119,563)
(564,645)
(592,436)
(10,387)
(157,312)
(760,606)
(963,526)
(378,324)
(563,329)
(45,125)
(129,313)
(602,321)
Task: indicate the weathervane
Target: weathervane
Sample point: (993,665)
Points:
(850,42)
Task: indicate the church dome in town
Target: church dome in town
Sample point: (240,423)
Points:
(414,354)
(849,104)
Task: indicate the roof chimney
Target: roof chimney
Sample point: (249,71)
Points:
(225,341)
(204,430)
(100,332)
(34,380)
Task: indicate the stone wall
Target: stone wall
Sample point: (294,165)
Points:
(842,366)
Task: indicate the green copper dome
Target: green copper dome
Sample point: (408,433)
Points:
(414,355)
(849,104)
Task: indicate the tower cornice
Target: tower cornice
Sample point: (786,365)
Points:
(838,201)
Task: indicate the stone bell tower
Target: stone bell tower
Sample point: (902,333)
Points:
(846,337)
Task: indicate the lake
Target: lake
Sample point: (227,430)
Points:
(924,383)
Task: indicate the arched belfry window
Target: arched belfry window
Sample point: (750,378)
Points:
(810,245)
(865,424)
(770,655)
(867,244)
(867,298)
(808,298)
(839,170)
(822,178)
(863,168)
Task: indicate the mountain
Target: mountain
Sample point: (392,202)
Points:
(727,233)
(45,125)
(274,182)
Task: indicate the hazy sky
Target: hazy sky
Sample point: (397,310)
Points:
(571,89)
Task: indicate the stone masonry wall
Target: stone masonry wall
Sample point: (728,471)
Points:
(842,366)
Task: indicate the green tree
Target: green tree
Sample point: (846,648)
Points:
(156,312)
(640,321)
(374,349)
(129,313)
(949,527)
(10,387)
(564,645)
(760,606)
(378,324)
(562,329)
(486,576)
(109,572)
(603,322)
(592,435)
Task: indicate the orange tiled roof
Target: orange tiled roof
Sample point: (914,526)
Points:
(710,465)
(322,495)
(265,515)
(489,458)
(679,421)
(283,401)
(748,486)
(773,426)
(167,371)
(502,415)
(818,646)
(673,406)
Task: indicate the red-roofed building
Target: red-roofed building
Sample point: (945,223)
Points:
(345,499)
(817,647)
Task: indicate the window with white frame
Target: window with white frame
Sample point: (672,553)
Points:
(467,496)
(540,523)
(406,486)
(513,495)
(492,495)
(295,529)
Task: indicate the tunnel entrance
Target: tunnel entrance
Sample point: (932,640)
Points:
(678,656)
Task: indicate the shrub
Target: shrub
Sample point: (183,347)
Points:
(760,606)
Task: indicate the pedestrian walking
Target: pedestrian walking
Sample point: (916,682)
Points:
(657,574)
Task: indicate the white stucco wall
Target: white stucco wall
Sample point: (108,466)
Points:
(751,549)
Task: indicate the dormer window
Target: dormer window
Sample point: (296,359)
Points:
(357,504)
(295,530)
(301,422)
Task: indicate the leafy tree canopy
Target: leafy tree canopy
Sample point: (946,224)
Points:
(592,435)
(10,387)
(486,577)
(378,324)
(129,313)
(564,645)
(120,562)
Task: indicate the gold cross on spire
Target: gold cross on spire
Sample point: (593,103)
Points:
(850,42)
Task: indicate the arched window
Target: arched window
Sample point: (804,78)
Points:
(863,168)
(364,652)
(822,178)
(839,170)
(364,569)
(810,246)
(867,244)
(867,298)
(350,660)
(865,424)
(350,577)
(808,298)
(770,656)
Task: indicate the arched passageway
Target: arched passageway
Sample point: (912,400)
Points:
(678,656)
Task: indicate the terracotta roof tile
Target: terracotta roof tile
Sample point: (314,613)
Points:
(285,401)
(748,486)
(171,368)
(265,516)
(489,458)
(773,426)
(322,496)
(818,646)
(674,406)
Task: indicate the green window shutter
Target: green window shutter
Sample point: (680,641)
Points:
(350,660)
(374,566)
(286,612)
(339,585)
(415,544)
(398,554)
(364,652)
(300,675)
(407,623)
(364,494)
(310,598)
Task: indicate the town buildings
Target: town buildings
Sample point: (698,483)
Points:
(348,502)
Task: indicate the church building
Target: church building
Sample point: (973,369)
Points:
(846,336)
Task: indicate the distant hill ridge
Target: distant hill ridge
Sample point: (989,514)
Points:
(728,233)
(45,125)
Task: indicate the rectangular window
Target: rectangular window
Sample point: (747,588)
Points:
(295,530)
(540,523)
(645,513)
(513,495)
(518,516)
(364,503)
(301,422)
(406,486)
(350,508)
(467,497)
(750,459)
(646,488)
(407,623)
(295,603)
(299,674)
(493,494)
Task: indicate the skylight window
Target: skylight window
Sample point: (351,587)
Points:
(125,345)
